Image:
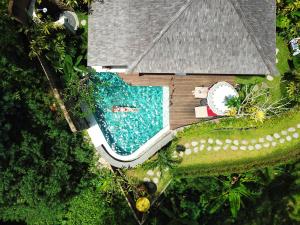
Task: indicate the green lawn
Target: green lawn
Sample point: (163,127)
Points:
(139,173)
(214,160)
(83,21)
(283,55)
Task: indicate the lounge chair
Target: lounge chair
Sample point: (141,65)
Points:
(204,112)
(200,92)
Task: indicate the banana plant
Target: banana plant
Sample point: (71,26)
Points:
(234,190)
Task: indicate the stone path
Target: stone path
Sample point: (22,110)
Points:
(210,144)
(270,140)
(153,176)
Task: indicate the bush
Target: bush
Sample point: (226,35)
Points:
(296,63)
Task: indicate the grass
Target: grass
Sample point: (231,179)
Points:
(237,160)
(283,55)
(244,79)
(81,17)
(140,173)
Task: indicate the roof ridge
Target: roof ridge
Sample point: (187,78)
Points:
(160,35)
(249,30)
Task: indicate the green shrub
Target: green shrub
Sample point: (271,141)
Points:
(296,63)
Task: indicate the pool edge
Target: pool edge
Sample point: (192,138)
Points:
(159,140)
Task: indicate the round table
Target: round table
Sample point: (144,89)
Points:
(217,95)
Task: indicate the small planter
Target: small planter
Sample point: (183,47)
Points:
(56,11)
(151,187)
(143,204)
(180,148)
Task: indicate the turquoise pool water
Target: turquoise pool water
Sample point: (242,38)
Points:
(127,131)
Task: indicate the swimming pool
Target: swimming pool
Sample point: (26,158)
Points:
(126,132)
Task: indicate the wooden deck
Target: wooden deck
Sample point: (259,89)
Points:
(182,101)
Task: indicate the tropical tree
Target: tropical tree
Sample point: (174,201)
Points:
(233,191)
(163,159)
(288,15)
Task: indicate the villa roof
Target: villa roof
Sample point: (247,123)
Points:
(184,36)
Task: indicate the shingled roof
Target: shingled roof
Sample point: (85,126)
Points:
(184,36)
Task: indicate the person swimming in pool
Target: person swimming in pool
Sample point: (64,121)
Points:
(124,109)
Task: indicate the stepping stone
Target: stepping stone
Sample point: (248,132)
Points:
(146,179)
(209,148)
(270,78)
(261,140)
(284,132)
(228,141)
(244,142)
(274,143)
(258,146)
(194,143)
(187,145)
(234,148)
(288,138)
(253,141)
(291,129)
(217,148)
(225,147)
(218,142)
(243,148)
(276,135)
(266,145)
(83,22)
(158,173)
(282,141)
(250,147)
(196,150)
(264,85)
(295,135)
(201,147)
(188,151)
(269,138)
(202,141)
(236,142)
(210,141)
(150,172)
(155,180)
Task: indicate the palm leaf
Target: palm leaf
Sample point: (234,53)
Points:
(235,202)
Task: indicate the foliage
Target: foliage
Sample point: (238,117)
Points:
(77,88)
(293,91)
(259,197)
(80,5)
(296,63)
(66,54)
(288,18)
(47,173)
(98,202)
(233,102)
(163,159)
(256,103)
